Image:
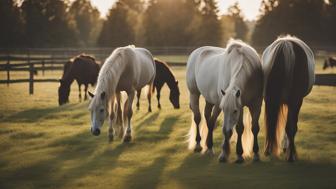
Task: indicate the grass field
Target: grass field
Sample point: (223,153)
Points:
(43,145)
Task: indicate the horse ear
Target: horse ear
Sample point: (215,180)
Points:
(90,94)
(102,95)
(238,93)
(176,82)
(223,93)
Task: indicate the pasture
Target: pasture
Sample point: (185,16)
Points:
(43,145)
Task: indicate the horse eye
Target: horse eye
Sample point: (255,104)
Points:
(101,110)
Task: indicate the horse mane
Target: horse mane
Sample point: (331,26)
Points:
(247,56)
(108,77)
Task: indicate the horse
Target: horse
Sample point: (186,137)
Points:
(288,67)
(82,68)
(126,69)
(329,62)
(228,79)
(163,75)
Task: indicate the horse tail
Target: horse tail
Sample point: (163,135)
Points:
(247,137)
(277,84)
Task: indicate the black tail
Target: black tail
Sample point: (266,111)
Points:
(273,102)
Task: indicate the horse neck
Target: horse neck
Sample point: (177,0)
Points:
(109,77)
(170,79)
(68,76)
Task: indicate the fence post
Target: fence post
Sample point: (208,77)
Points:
(31,75)
(8,69)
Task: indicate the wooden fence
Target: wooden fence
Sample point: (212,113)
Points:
(42,60)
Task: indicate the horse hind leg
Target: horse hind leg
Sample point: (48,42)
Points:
(80,92)
(255,113)
(239,146)
(138,99)
(194,106)
(85,91)
(207,114)
(291,128)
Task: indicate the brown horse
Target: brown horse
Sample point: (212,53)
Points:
(288,66)
(84,69)
(164,75)
(329,62)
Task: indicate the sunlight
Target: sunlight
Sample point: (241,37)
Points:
(250,8)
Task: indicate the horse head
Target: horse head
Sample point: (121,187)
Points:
(231,106)
(174,96)
(325,65)
(63,93)
(99,112)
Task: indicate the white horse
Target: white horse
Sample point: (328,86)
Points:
(126,69)
(228,79)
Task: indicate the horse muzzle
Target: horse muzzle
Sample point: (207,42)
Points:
(95,132)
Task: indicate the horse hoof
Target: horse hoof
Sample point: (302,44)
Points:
(198,148)
(239,160)
(209,152)
(222,158)
(256,158)
(127,138)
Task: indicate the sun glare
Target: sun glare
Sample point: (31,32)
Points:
(250,8)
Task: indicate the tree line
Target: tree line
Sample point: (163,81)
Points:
(65,23)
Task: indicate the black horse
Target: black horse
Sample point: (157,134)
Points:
(164,75)
(329,62)
(84,69)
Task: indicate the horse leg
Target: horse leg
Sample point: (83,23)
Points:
(239,146)
(138,99)
(85,91)
(128,133)
(149,97)
(207,114)
(226,145)
(112,115)
(255,113)
(119,120)
(291,127)
(158,95)
(80,92)
(194,106)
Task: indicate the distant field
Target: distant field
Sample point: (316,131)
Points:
(43,145)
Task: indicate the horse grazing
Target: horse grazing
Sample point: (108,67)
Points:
(228,79)
(84,69)
(126,69)
(288,67)
(329,62)
(163,75)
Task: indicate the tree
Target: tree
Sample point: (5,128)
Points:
(86,19)
(117,30)
(12,25)
(47,23)
(239,23)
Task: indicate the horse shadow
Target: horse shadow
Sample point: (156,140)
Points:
(36,114)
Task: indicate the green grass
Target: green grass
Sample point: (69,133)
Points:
(46,146)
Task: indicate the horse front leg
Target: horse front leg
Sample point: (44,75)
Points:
(158,95)
(112,116)
(80,92)
(239,146)
(227,132)
(207,114)
(255,113)
(85,91)
(129,113)
(138,99)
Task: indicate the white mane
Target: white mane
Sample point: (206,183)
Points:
(243,58)
(285,43)
(109,74)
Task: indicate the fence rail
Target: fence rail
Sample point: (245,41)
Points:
(43,60)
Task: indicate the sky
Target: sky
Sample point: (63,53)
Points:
(250,8)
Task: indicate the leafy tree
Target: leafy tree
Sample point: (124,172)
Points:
(47,23)
(239,23)
(86,19)
(117,30)
(11,22)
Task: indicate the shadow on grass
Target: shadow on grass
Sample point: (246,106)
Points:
(37,114)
